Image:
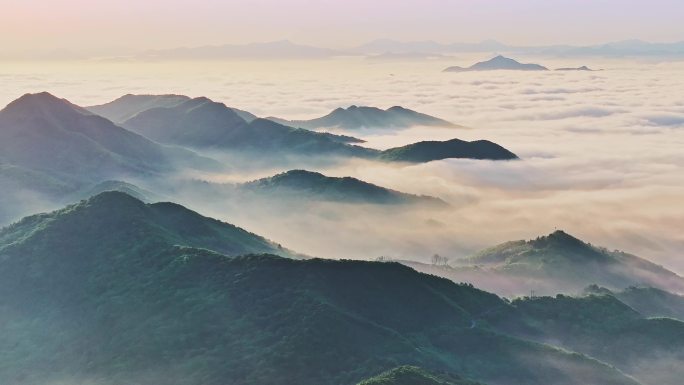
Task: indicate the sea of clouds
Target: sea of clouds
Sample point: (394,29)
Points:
(601,151)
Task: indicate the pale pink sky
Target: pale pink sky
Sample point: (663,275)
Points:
(139,24)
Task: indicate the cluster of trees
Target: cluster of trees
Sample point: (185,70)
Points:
(438,260)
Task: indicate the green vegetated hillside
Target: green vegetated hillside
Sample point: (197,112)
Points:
(116,291)
(563,258)
(603,327)
(120,186)
(114,223)
(554,263)
(649,301)
(302,184)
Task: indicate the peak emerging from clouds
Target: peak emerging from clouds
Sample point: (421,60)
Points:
(356,117)
(498,62)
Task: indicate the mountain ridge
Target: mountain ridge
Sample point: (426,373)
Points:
(358,117)
(43,132)
(427,151)
(554,263)
(214,125)
(305,184)
(127,218)
(101,304)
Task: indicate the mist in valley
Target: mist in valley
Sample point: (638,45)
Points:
(600,158)
(586,143)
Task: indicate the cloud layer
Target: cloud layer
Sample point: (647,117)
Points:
(601,151)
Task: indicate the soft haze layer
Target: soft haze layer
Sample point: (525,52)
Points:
(120,26)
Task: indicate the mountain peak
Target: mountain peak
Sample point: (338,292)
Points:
(43,102)
(291,177)
(40,98)
(113,198)
(498,62)
(358,117)
(560,238)
(112,221)
(43,96)
(502,59)
(300,172)
(311,184)
(561,235)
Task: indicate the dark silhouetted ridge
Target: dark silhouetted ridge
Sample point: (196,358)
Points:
(427,151)
(357,117)
(313,185)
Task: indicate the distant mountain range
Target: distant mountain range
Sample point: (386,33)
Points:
(201,123)
(307,185)
(613,49)
(380,48)
(503,63)
(129,105)
(282,49)
(582,68)
(498,63)
(554,263)
(112,288)
(355,117)
(55,151)
(124,108)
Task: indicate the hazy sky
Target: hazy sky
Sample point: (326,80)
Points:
(138,24)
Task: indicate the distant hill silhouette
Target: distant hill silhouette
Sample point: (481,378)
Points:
(203,123)
(127,106)
(625,48)
(582,68)
(427,151)
(368,117)
(498,63)
(282,49)
(302,184)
